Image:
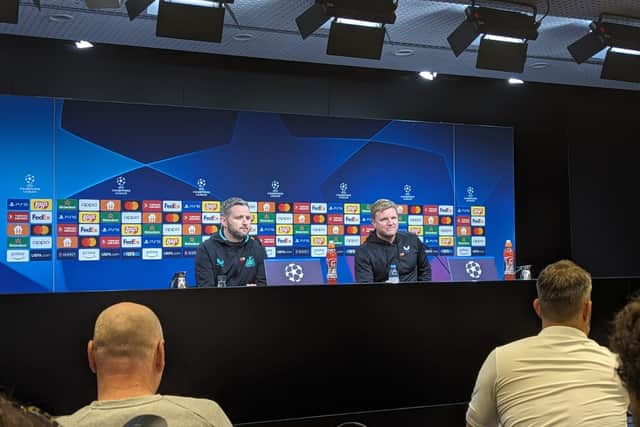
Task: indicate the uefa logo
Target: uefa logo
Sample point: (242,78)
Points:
(120,189)
(407,196)
(30,187)
(470,197)
(202,191)
(343,194)
(275,189)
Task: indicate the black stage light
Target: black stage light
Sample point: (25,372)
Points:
(136,7)
(622,60)
(357,29)
(201,20)
(103,4)
(505,35)
(9,11)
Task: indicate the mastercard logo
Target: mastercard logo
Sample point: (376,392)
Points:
(478,231)
(284,207)
(40,230)
(446,220)
(131,205)
(415,210)
(351,229)
(318,219)
(88,242)
(172,218)
(211,229)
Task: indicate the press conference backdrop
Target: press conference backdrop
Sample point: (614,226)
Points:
(101,196)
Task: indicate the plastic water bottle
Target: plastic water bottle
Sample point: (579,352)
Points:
(222,281)
(394,277)
(332,264)
(509,264)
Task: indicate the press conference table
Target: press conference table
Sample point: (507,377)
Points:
(277,353)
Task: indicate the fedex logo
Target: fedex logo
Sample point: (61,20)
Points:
(41,204)
(88,230)
(284,241)
(210,218)
(479,221)
(352,219)
(88,205)
(172,205)
(131,242)
(445,210)
(318,208)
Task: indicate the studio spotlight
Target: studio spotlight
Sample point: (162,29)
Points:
(505,35)
(9,11)
(357,26)
(622,60)
(201,20)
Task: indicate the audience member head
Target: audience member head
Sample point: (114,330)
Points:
(564,296)
(127,352)
(625,341)
(12,414)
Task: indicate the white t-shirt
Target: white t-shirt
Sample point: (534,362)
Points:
(176,411)
(556,378)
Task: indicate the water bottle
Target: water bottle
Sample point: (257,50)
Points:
(332,264)
(222,281)
(179,280)
(394,277)
(509,265)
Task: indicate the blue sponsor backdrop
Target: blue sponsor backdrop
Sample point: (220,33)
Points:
(55,149)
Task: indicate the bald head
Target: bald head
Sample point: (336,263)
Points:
(126,331)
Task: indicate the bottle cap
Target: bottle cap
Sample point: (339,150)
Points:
(508,243)
(331,245)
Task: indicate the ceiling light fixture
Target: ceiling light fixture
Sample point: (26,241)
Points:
(428,75)
(622,60)
(83,44)
(505,35)
(357,28)
(514,81)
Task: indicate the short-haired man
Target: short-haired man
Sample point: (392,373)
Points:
(625,341)
(127,356)
(559,377)
(386,245)
(231,257)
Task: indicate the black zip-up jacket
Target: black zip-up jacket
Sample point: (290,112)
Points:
(241,263)
(407,252)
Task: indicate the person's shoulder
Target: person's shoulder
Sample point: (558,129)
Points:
(73,419)
(205,408)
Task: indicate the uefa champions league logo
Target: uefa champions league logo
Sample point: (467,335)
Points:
(275,189)
(407,193)
(294,272)
(120,189)
(473,269)
(470,197)
(30,181)
(202,191)
(343,194)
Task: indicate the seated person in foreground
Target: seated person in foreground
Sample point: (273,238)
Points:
(127,356)
(559,377)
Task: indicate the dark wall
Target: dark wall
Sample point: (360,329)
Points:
(574,146)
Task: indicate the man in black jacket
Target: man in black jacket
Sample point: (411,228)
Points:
(231,257)
(386,245)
